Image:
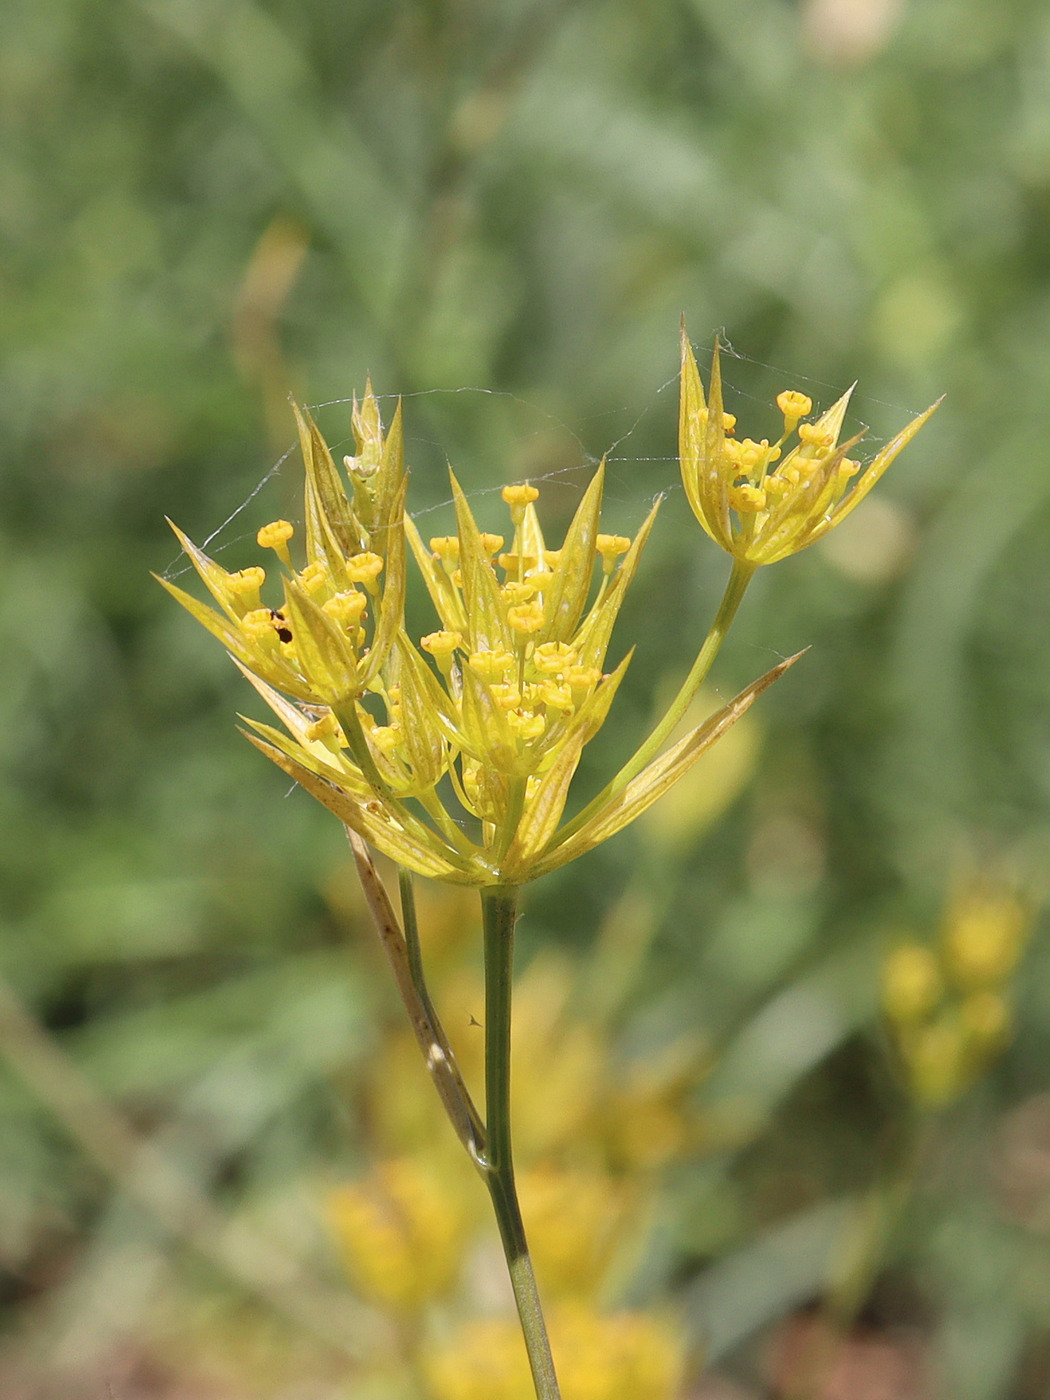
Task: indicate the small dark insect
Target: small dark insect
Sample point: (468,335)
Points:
(474,1021)
(283,632)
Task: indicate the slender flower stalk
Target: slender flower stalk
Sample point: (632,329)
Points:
(454,754)
(741,576)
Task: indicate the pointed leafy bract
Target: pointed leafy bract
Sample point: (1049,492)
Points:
(692,408)
(544,808)
(447,602)
(715,484)
(571,587)
(377,471)
(423,721)
(326,494)
(875,469)
(326,654)
(533,544)
(391,474)
(831,420)
(486,616)
(316,759)
(486,733)
(660,775)
(214,576)
(414,671)
(592,641)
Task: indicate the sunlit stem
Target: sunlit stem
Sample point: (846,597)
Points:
(403,954)
(743,571)
(410,926)
(515,808)
(350,724)
(500,910)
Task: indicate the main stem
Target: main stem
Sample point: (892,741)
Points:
(500,910)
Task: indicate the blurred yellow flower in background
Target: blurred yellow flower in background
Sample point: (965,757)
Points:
(401,1231)
(948,1006)
(621,1356)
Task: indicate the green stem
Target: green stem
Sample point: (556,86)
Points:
(739,579)
(500,909)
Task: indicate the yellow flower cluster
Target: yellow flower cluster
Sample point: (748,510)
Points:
(501,700)
(947,1007)
(762,501)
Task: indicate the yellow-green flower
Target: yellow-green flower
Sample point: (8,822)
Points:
(326,639)
(762,501)
(495,705)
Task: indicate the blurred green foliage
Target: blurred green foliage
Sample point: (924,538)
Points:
(500,210)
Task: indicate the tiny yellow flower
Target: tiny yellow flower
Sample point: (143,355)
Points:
(610,547)
(441,644)
(246,587)
(275,536)
(526,619)
(759,502)
(793,406)
(520,496)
